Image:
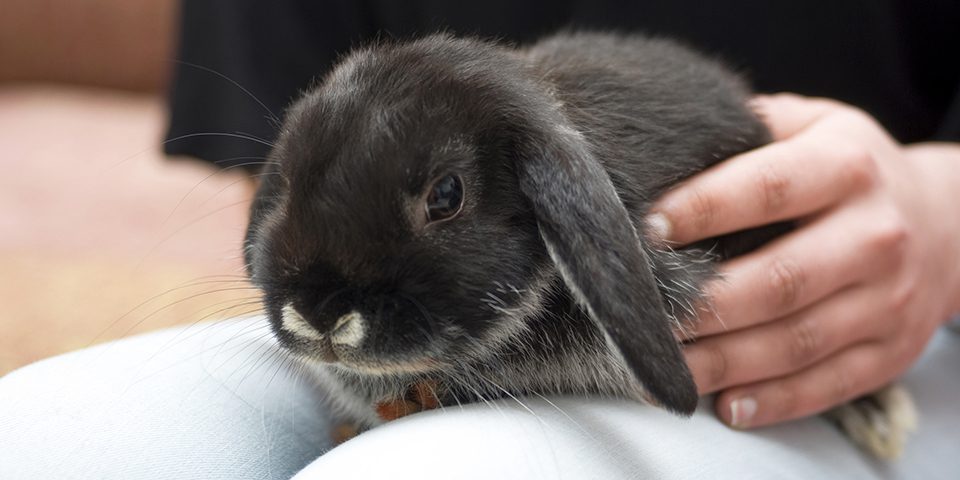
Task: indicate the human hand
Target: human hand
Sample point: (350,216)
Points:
(846,302)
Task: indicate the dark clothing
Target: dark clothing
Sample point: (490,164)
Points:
(897,59)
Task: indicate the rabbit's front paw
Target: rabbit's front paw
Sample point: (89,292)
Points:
(880,422)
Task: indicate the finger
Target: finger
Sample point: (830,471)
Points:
(780,181)
(833,381)
(795,271)
(787,114)
(783,346)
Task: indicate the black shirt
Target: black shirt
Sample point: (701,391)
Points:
(897,59)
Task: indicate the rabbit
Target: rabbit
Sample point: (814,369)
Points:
(449,219)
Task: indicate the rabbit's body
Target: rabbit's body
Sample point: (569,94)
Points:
(654,113)
(540,280)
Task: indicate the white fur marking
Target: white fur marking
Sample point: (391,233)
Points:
(294,324)
(349,329)
(567,276)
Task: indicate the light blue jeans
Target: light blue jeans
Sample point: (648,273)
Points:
(221,401)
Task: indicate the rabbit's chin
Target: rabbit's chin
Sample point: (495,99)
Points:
(417,366)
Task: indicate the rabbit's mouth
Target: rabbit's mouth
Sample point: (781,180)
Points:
(345,347)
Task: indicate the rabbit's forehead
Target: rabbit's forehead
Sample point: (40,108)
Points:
(403,158)
(373,193)
(379,134)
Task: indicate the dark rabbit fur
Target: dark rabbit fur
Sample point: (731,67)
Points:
(544,282)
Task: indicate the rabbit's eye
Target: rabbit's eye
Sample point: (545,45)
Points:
(445,199)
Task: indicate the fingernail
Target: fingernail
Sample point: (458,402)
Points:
(658,226)
(741,412)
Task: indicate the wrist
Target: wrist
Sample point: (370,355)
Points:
(937,166)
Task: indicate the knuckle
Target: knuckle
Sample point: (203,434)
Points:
(851,114)
(824,103)
(857,165)
(840,385)
(718,365)
(786,402)
(903,297)
(786,283)
(774,189)
(805,342)
(704,209)
(891,238)
(859,123)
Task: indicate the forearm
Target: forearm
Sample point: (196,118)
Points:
(110,43)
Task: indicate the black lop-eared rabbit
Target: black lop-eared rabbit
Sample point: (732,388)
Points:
(461,216)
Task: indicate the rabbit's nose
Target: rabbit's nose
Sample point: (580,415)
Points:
(294,323)
(349,329)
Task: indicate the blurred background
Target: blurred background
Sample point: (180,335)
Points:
(101,235)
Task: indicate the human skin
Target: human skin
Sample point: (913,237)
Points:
(845,303)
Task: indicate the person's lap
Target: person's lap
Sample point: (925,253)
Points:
(221,401)
(214,401)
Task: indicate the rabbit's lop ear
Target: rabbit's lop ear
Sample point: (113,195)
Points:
(590,237)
